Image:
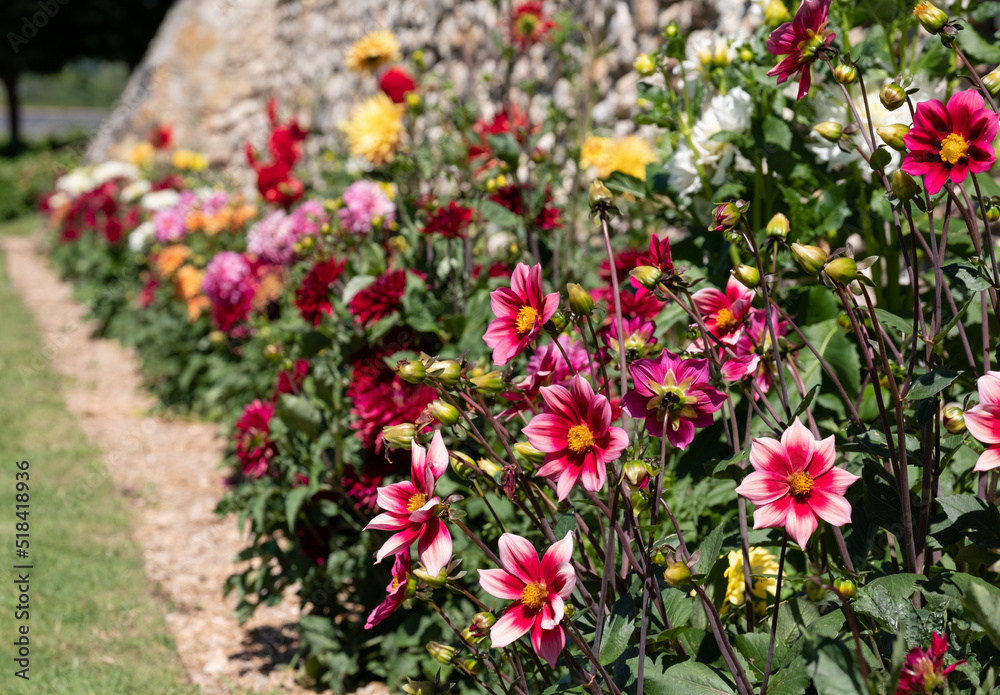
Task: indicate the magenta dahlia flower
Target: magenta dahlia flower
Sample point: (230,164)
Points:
(396,591)
(521,310)
(794,483)
(365,204)
(983,420)
(538,590)
(547,365)
(576,435)
(254,447)
(410,509)
(724,313)
(229,284)
(924,671)
(799,41)
(947,142)
(672,394)
(754,353)
(638,337)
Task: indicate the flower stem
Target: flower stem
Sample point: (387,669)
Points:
(774,616)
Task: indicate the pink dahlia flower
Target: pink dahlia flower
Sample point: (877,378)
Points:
(410,509)
(521,310)
(365,203)
(794,483)
(396,591)
(254,447)
(754,353)
(673,395)
(800,41)
(576,435)
(949,142)
(983,420)
(924,671)
(724,313)
(547,365)
(638,337)
(538,590)
(229,284)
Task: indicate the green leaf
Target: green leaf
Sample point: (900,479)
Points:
(623,183)
(887,599)
(293,502)
(880,158)
(984,606)
(497,214)
(776,131)
(972,517)
(741,140)
(931,384)
(299,413)
(898,323)
(968,275)
(828,339)
(729,468)
(619,625)
(754,645)
(687,678)
(355,285)
(978,48)
(710,549)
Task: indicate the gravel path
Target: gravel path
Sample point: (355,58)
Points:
(168,472)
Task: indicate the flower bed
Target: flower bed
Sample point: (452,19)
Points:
(604,449)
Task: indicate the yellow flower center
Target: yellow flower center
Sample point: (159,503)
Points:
(725,320)
(953,149)
(799,484)
(526,318)
(416,502)
(534,595)
(580,439)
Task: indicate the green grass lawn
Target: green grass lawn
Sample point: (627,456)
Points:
(94,624)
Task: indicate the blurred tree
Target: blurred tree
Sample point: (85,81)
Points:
(44,35)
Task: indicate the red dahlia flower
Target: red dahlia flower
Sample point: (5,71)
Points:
(450,222)
(983,420)
(379,299)
(794,483)
(396,591)
(946,143)
(659,256)
(800,41)
(531,24)
(576,435)
(160,136)
(410,509)
(397,83)
(313,296)
(724,313)
(291,380)
(673,395)
(520,311)
(538,589)
(254,447)
(924,671)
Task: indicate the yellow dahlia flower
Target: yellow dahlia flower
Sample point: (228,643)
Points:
(372,51)
(629,155)
(761,562)
(375,129)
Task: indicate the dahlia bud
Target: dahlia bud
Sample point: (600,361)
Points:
(490,384)
(726,216)
(217,337)
(677,575)
(640,501)
(411,371)
(990,213)
(530,453)
(483,622)
(412,100)
(954,418)
(418,58)
(930,17)
(842,270)
(442,653)
(471,637)
(600,197)
(558,323)
(437,581)
(272,351)
(398,436)
(659,557)
(892,135)
(636,472)
(462,464)
(747,275)
(847,588)
(903,185)
(830,131)
(671,30)
(810,258)
(645,65)
(892,96)
(473,665)
(814,591)
(444,412)
(775,13)
(845,73)
(580,301)
(490,468)
(445,372)
(647,275)
(746,54)
(991,81)
(778,227)
(428,688)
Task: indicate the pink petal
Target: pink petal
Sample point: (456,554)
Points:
(617,443)
(800,522)
(988,460)
(559,401)
(396,543)
(388,522)
(558,553)
(799,445)
(552,613)
(521,278)
(567,479)
(989,388)
(710,300)
(425,512)
(932,115)
(645,372)
(593,474)
(772,515)
(501,583)
(805,81)
(563,581)
(395,498)
(768,455)
(549,307)
(547,432)
(518,557)
(422,477)
(683,435)
(835,481)
(548,644)
(832,508)
(511,626)
(505,304)
(762,488)
(823,459)
(434,548)
(437,456)
(782,40)
(599,415)
(983,423)
(962,107)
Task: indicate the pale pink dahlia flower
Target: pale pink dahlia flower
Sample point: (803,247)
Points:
(983,420)
(365,202)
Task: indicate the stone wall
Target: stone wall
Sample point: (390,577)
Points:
(214,64)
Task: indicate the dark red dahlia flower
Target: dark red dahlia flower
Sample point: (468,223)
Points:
(254,447)
(450,222)
(313,296)
(379,299)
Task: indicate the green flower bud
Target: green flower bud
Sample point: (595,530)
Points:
(558,323)
(445,372)
(442,653)
(814,590)
(473,665)
(892,96)
(462,464)
(749,276)
(580,301)
(600,197)
(483,622)
(847,588)
(845,74)
(530,453)
(775,13)
(645,65)
(892,135)
(903,185)
(398,436)
(471,637)
(778,227)
(810,258)
(954,418)
(659,557)
(991,213)
(437,581)
(677,575)
(490,468)
(726,216)
(671,30)
(428,688)
(647,275)
(490,384)
(411,371)
(746,54)
(272,352)
(842,270)
(217,338)
(640,501)
(930,17)
(991,81)
(444,412)
(829,130)
(636,472)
